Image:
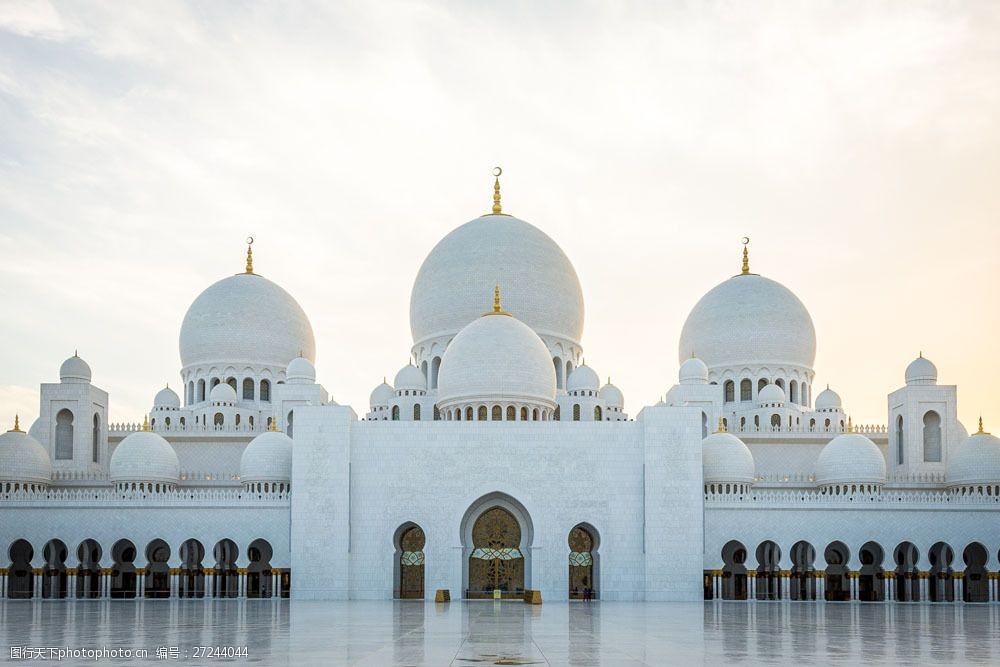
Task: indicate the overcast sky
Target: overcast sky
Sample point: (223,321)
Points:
(857,144)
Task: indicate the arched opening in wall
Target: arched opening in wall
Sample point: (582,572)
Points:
(395,413)
(290,422)
(746,390)
(511,413)
(265,390)
(569,370)
(218,420)
(123,577)
(780,383)
(20,576)
(871,579)
(95,442)
(793,391)
(775,422)
(524,414)
(88,573)
(806,395)
(704,425)
(189,394)
(416,412)
(598,416)
(468,414)
(55,580)
(437,414)
(435,368)
(64,435)
(192,581)
(768,571)
(576,412)
(907,575)
(940,583)
(231,381)
(482,414)
(838,587)
(157,584)
(226,580)
(975,584)
(497,413)
(734,571)
(761,383)
(932,437)
(729,391)
(899,440)
(423,369)
(583,563)
(260,580)
(802,583)
(497,535)
(557,364)
(248,388)
(201,390)
(409,541)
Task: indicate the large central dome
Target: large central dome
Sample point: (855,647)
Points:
(749,320)
(540,285)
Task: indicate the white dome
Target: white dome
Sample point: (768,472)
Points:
(749,320)
(921,371)
(166,398)
(693,371)
(411,378)
(725,458)
(771,393)
(381,395)
(540,285)
(583,378)
(977,461)
(222,393)
(74,369)
(23,459)
(497,358)
(848,459)
(245,319)
(828,399)
(36,429)
(300,371)
(612,396)
(268,458)
(145,457)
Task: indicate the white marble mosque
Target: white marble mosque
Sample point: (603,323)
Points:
(496,463)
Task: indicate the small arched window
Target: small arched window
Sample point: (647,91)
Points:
(557,364)
(218,420)
(183,422)
(435,367)
(437,414)
(395,413)
(265,390)
(511,413)
(237,420)
(215,382)
(555,415)
(746,390)
(793,391)
(190,392)
(729,388)
(576,412)
(780,383)
(597,413)
(761,383)
(64,435)
(482,413)
(900,443)
(416,412)
(534,415)
(201,390)
(932,437)
(96,439)
(468,414)
(231,382)
(247,389)
(497,413)
(524,414)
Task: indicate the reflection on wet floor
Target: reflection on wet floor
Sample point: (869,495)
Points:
(512,633)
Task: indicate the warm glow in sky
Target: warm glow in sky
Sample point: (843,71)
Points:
(858,144)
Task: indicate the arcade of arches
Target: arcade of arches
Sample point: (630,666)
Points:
(884,574)
(125,571)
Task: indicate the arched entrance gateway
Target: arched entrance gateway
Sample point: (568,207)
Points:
(583,563)
(410,543)
(496,536)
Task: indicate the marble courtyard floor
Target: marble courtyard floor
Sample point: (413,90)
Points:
(511,633)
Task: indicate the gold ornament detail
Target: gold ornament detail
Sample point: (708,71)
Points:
(746,256)
(145,423)
(496,190)
(497,307)
(249,268)
(17,424)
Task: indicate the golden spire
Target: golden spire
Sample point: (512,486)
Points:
(850,425)
(722,426)
(17,424)
(145,422)
(249,268)
(274,425)
(496,190)
(746,256)
(497,308)
(979,432)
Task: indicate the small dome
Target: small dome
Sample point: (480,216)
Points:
(23,459)
(693,371)
(497,358)
(921,371)
(74,369)
(268,458)
(583,378)
(977,461)
(771,393)
(145,457)
(848,459)
(222,393)
(828,399)
(166,398)
(725,458)
(612,396)
(410,378)
(300,371)
(36,429)
(381,395)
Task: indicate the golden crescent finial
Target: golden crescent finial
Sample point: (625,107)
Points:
(746,256)
(496,190)
(249,268)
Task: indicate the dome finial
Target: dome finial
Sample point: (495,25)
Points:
(746,256)
(17,424)
(145,423)
(273,426)
(496,190)
(979,432)
(497,308)
(249,268)
(850,425)
(722,426)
